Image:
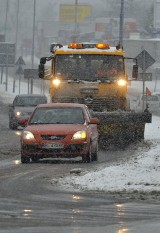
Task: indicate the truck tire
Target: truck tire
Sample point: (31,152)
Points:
(25,159)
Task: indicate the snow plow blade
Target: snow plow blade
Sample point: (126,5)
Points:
(119,129)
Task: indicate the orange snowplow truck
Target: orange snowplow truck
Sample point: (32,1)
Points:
(95,74)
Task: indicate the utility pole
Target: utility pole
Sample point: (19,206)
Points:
(6,19)
(75,20)
(121,25)
(5,32)
(17,21)
(5,28)
(34,16)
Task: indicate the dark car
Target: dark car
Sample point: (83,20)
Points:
(60,130)
(22,107)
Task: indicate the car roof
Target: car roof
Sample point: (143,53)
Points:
(61,105)
(150,97)
(30,95)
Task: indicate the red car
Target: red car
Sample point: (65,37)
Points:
(59,130)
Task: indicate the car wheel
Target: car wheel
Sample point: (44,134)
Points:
(12,125)
(25,159)
(88,157)
(95,154)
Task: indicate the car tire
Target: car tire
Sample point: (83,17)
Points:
(25,159)
(95,154)
(12,125)
(88,157)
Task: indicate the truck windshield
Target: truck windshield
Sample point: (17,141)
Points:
(89,67)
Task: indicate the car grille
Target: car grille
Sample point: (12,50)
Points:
(53,137)
(74,148)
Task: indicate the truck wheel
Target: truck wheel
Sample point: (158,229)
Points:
(35,159)
(25,159)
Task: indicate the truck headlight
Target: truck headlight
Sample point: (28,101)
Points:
(121,82)
(79,135)
(27,135)
(56,82)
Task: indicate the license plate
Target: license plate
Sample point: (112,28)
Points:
(53,146)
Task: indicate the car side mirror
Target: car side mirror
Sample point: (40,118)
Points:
(22,121)
(94,120)
(43,60)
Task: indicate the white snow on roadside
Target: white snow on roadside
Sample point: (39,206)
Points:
(141,173)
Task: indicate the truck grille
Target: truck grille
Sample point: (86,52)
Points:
(96,104)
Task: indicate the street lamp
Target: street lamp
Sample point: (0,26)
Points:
(121,23)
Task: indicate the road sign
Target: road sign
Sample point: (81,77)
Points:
(144,77)
(7,60)
(20,61)
(67,13)
(19,71)
(144,60)
(7,54)
(31,73)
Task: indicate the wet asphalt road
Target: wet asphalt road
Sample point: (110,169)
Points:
(30,203)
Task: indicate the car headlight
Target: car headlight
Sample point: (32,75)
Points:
(122,82)
(27,135)
(18,113)
(79,135)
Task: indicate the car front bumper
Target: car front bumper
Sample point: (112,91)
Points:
(69,151)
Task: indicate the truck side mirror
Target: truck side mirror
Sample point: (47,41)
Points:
(41,70)
(43,60)
(135,72)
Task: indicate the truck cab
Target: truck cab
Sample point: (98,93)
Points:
(92,74)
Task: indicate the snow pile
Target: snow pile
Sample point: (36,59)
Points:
(138,174)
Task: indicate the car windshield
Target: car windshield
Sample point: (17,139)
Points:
(29,100)
(150,98)
(58,116)
(89,67)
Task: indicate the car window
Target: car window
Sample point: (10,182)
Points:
(30,100)
(58,116)
(151,98)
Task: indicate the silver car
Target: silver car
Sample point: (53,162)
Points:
(22,107)
(152,101)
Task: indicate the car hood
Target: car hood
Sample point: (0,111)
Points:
(24,109)
(55,128)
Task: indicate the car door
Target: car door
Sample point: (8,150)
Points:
(93,129)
